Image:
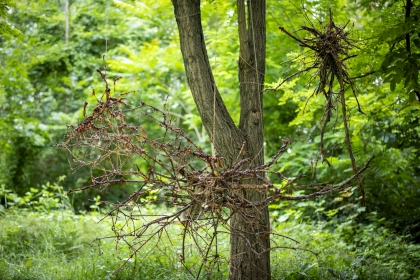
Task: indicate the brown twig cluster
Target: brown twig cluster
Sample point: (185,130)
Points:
(329,48)
(166,165)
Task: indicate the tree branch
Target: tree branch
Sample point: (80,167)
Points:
(363,75)
(408,5)
(216,119)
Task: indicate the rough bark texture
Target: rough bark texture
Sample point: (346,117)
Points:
(250,241)
(251,262)
(225,136)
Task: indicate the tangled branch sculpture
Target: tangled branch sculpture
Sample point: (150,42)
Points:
(201,191)
(329,48)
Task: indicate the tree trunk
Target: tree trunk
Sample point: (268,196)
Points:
(251,262)
(250,239)
(67,20)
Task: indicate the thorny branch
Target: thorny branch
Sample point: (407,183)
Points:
(164,165)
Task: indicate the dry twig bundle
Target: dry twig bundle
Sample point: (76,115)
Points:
(202,192)
(329,49)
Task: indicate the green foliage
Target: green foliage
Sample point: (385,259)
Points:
(45,81)
(58,245)
(347,248)
(6,29)
(39,242)
(401,63)
(389,130)
(47,198)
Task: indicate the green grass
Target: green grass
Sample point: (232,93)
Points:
(58,245)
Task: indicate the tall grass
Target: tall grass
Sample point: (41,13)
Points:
(58,245)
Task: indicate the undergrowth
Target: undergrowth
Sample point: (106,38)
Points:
(44,239)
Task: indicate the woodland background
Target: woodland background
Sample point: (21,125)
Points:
(48,69)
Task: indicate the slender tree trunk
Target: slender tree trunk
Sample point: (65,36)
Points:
(408,5)
(225,136)
(250,240)
(67,20)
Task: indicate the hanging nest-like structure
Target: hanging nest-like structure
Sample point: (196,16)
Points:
(329,48)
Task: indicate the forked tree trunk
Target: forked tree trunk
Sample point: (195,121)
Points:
(250,239)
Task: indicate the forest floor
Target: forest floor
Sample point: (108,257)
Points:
(60,245)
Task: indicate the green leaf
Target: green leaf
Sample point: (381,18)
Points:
(389,58)
(388,78)
(33,190)
(392,85)
(407,70)
(412,96)
(417,42)
(398,75)
(407,81)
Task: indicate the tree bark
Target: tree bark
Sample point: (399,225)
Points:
(250,239)
(225,136)
(251,262)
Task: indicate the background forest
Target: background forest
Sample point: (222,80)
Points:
(49,53)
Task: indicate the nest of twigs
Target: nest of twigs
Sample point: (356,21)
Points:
(167,166)
(330,47)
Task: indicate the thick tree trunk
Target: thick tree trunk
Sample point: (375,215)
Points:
(250,239)
(251,262)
